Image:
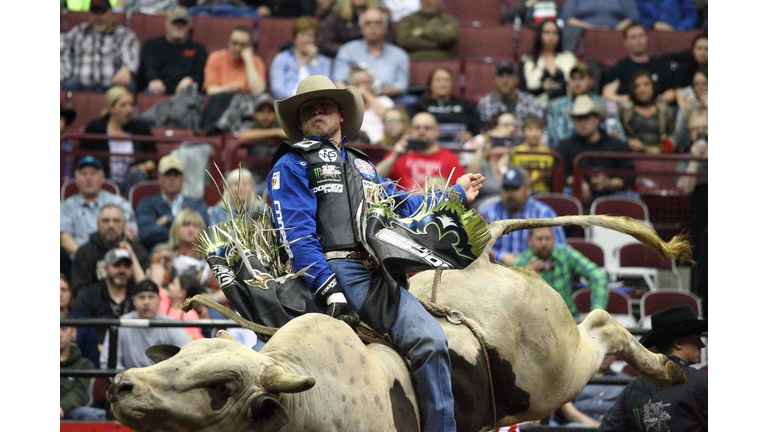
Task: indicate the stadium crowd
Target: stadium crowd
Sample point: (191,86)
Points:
(521,118)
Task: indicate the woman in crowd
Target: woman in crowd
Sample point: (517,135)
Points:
(457,118)
(648,122)
(118,123)
(173,295)
(695,98)
(239,191)
(299,61)
(547,66)
(396,125)
(491,148)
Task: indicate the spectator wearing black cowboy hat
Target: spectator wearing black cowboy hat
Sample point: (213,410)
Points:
(644,406)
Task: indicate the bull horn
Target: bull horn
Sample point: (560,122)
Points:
(677,248)
(223,334)
(276,380)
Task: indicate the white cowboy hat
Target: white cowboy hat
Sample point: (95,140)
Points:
(315,86)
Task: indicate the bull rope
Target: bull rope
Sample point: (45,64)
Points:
(456,317)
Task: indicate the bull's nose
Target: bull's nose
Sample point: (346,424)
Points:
(118,389)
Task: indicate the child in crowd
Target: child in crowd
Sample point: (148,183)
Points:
(534,155)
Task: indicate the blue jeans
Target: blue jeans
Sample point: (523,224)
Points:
(417,333)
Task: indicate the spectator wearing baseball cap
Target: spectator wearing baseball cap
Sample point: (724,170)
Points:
(507,97)
(559,121)
(171,62)
(515,202)
(612,176)
(155,213)
(675,332)
(79,213)
(265,131)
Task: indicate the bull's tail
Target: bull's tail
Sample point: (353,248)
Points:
(677,248)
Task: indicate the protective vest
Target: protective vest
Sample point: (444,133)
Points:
(340,187)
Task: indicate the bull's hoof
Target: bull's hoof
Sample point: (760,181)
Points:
(673,374)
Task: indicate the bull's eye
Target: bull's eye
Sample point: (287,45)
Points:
(219,394)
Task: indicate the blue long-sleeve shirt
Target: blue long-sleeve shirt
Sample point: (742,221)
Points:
(680,14)
(284,72)
(294,207)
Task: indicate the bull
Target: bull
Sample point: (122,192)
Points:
(516,355)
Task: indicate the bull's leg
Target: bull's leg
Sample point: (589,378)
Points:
(610,337)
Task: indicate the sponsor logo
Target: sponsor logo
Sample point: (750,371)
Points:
(305,144)
(281,227)
(365,168)
(655,417)
(260,279)
(330,285)
(329,188)
(408,245)
(328,171)
(276,180)
(371,192)
(328,155)
(224,276)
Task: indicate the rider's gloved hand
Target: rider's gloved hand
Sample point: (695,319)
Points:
(330,291)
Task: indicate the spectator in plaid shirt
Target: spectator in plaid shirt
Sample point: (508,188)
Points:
(561,265)
(516,202)
(99,54)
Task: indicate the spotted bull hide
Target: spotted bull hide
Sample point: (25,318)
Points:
(315,374)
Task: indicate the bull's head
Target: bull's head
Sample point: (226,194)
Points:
(209,385)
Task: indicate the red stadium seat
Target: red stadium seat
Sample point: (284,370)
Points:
(604,46)
(620,206)
(489,41)
(70,19)
(420,71)
(483,12)
(69,188)
(147,26)
(273,32)
(665,42)
(654,301)
(564,205)
(213,31)
(637,259)
(88,107)
(478,77)
(590,250)
(618,302)
(142,190)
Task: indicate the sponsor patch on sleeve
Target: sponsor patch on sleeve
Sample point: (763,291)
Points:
(365,168)
(276,180)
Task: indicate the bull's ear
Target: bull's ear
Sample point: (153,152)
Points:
(268,414)
(162,352)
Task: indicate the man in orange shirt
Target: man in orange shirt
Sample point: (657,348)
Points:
(235,69)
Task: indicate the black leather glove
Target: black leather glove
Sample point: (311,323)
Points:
(330,291)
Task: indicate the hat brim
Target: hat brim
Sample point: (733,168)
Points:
(349,100)
(655,337)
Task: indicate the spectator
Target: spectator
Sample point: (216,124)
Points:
(66,119)
(697,187)
(181,287)
(172,62)
(283,8)
(98,54)
(528,12)
(641,406)
(180,252)
(508,98)
(88,265)
(323,8)
(539,165)
(387,63)
(516,202)
(491,150)
(149,7)
(429,34)
(559,123)
(117,121)
(239,193)
(689,62)
(236,68)
(78,214)
(458,118)
(87,339)
(668,15)
(156,213)
(561,266)
(266,130)
(410,162)
(73,391)
(396,126)
(587,116)
(375,106)
(591,14)
(547,66)
(648,122)
(619,76)
(299,61)
(133,342)
(398,9)
(589,407)
(343,25)
(695,98)
(108,298)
